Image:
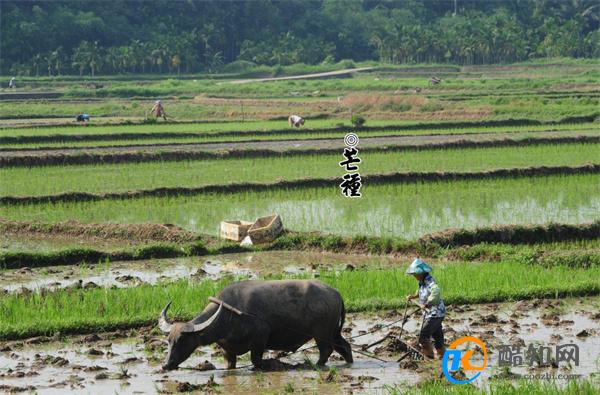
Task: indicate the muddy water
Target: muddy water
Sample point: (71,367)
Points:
(124,274)
(130,363)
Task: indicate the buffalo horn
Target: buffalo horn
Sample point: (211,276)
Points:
(162,320)
(200,327)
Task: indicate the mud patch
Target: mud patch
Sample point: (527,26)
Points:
(131,363)
(133,273)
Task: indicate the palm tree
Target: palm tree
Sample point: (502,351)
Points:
(114,57)
(50,61)
(176,62)
(58,56)
(36,62)
(94,57)
(79,58)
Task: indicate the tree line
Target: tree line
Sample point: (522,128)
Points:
(162,36)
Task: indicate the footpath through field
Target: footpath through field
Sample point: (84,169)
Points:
(336,73)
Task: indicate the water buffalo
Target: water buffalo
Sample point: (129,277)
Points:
(275,315)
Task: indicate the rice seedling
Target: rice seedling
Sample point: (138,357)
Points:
(406,210)
(75,311)
(37,181)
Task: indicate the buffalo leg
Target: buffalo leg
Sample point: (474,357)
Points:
(344,349)
(231,359)
(325,350)
(256,354)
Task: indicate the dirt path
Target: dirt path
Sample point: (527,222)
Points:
(328,74)
(115,361)
(82,232)
(294,144)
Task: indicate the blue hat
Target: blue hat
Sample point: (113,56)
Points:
(418,266)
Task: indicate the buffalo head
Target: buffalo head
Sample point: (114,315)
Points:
(184,337)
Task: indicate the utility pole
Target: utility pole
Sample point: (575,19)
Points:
(455,1)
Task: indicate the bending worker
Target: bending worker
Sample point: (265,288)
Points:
(82,117)
(158,110)
(432,305)
(295,120)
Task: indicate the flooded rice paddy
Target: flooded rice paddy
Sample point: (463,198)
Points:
(129,361)
(406,210)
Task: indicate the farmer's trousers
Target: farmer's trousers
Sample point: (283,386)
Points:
(432,327)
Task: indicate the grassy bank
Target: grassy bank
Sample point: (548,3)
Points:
(551,245)
(74,311)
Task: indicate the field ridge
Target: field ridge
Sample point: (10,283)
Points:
(200,244)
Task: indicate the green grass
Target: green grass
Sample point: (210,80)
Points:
(501,387)
(451,104)
(35,181)
(362,82)
(69,311)
(404,210)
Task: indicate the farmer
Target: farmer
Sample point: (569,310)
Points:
(12,84)
(158,110)
(295,120)
(432,305)
(82,117)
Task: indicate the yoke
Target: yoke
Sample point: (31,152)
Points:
(226,305)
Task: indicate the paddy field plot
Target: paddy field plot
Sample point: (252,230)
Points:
(98,178)
(404,210)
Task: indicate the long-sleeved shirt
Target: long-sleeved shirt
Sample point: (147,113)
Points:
(430,295)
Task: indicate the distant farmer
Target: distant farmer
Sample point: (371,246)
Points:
(12,84)
(158,110)
(295,120)
(434,81)
(432,305)
(82,117)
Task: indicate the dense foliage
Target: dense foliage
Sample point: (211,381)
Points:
(89,37)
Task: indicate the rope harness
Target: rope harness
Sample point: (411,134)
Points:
(416,354)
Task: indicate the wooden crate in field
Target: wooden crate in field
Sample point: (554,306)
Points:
(266,228)
(235,230)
